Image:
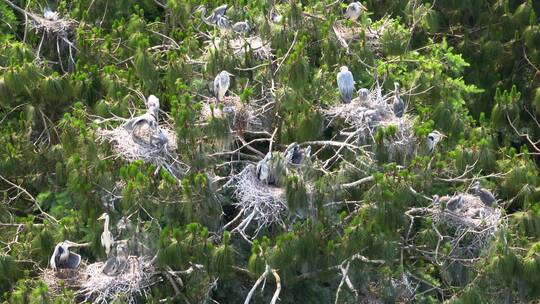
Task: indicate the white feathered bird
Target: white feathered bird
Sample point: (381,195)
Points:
(107,238)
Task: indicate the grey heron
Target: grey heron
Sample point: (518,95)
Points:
(294,154)
(150,117)
(454,203)
(354,10)
(345,82)
(363,94)
(221,84)
(432,139)
(241,27)
(50,15)
(216,14)
(223,23)
(485,195)
(107,238)
(398,106)
(264,173)
(62,258)
(159,139)
(116,264)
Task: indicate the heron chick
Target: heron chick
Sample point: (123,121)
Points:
(399,105)
(484,194)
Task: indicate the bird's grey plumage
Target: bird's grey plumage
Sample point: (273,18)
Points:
(263,169)
(345,82)
(432,139)
(116,264)
(454,203)
(354,10)
(159,139)
(398,106)
(221,84)
(363,94)
(107,238)
(50,15)
(484,194)
(241,27)
(63,258)
(223,23)
(150,117)
(295,155)
(217,14)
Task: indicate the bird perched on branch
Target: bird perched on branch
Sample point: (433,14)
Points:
(399,105)
(345,82)
(354,10)
(294,154)
(116,264)
(221,85)
(107,238)
(485,195)
(433,138)
(62,258)
(264,170)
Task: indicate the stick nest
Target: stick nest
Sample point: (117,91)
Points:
(132,283)
(257,201)
(70,278)
(366,117)
(259,48)
(242,117)
(346,35)
(474,223)
(131,148)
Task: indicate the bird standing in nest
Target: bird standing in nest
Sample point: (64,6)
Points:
(62,258)
(398,105)
(345,82)
(221,85)
(485,195)
(107,238)
(115,265)
(264,170)
(145,126)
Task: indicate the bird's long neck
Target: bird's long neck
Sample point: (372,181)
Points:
(106,224)
(396,92)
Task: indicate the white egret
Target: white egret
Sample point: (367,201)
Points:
(221,84)
(345,82)
(432,139)
(354,10)
(485,195)
(398,106)
(107,238)
(116,264)
(62,258)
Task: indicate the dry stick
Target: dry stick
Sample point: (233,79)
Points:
(278,287)
(31,198)
(287,54)
(257,283)
(358,182)
(535,145)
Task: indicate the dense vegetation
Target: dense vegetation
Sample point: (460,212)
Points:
(469,69)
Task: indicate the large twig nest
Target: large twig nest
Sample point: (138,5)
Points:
(256,45)
(56,280)
(241,116)
(346,35)
(132,283)
(257,202)
(140,147)
(365,117)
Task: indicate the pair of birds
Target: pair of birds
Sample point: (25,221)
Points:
(219,18)
(293,155)
(345,81)
(63,258)
(148,120)
(485,196)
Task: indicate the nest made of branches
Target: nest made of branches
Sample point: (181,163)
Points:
(56,280)
(346,35)
(364,118)
(259,48)
(474,222)
(242,117)
(133,283)
(131,148)
(257,202)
